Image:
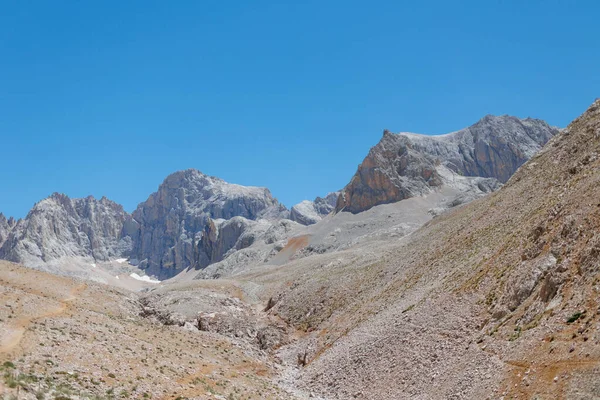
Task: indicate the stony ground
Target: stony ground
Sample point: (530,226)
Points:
(496,299)
(66,339)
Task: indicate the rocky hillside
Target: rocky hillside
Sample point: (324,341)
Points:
(177,223)
(62,338)
(59,227)
(496,299)
(406,164)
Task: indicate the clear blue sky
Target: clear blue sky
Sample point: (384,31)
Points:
(109,97)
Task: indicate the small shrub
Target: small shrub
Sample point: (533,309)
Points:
(8,364)
(574,317)
(11,382)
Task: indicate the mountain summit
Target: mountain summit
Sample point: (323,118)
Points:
(59,227)
(407,164)
(172,220)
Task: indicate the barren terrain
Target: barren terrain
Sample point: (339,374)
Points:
(63,338)
(498,298)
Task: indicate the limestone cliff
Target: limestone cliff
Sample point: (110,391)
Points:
(59,226)
(174,220)
(407,164)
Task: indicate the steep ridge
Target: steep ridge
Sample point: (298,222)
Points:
(406,164)
(497,298)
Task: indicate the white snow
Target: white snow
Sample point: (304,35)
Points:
(117,276)
(120,260)
(93,265)
(144,278)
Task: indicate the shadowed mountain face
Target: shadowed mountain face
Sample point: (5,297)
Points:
(6,226)
(176,228)
(406,164)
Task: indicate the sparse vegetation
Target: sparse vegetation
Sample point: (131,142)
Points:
(575,317)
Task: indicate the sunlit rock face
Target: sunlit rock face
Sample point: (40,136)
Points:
(59,227)
(406,164)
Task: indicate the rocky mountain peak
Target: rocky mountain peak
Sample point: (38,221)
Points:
(407,164)
(6,221)
(59,226)
(174,218)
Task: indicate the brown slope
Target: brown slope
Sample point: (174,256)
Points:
(476,304)
(60,338)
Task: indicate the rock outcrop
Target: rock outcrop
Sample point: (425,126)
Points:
(258,242)
(222,236)
(177,223)
(6,226)
(59,226)
(407,164)
(310,212)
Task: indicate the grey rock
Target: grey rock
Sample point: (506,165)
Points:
(6,225)
(59,226)
(177,229)
(258,242)
(325,205)
(214,312)
(407,164)
(310,212)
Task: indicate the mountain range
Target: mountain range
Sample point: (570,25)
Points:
(462,266)
(194,220)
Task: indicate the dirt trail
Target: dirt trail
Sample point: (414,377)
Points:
(15,336)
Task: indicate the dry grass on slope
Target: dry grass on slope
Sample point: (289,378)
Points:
(499,297)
